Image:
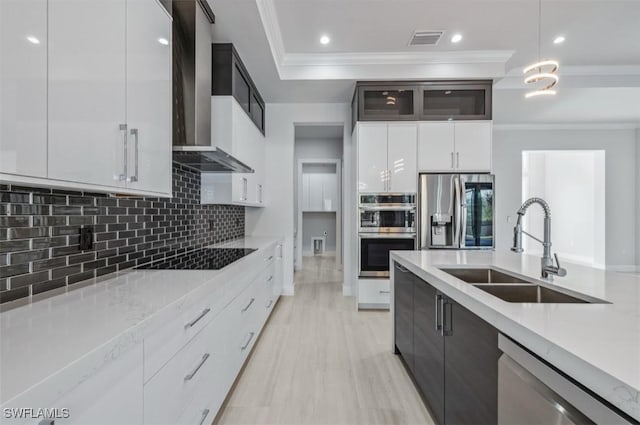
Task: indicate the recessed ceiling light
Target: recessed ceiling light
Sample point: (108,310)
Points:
(325,39)
(163,41)
(559,39)
(33,40)
(456,38)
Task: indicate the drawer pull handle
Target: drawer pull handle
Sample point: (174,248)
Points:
(270,303)
(248,305)
(246,344)
(269,259)
(384,292)
(205,413)
(190,376)
(197,319)
(270,279)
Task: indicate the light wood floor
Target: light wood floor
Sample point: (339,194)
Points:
(319,361)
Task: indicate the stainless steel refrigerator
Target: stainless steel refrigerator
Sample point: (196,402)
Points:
(456,211)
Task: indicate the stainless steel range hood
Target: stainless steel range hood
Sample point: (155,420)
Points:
(192,144)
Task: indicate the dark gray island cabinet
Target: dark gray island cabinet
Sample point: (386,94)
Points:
(451,353)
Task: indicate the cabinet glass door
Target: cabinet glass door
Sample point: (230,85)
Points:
(387,103)
(456,101)
(241,88)
(477,225)
(257,113)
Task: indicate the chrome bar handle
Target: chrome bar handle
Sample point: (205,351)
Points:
(384,292)
(135,133)
(451,160)
(438,313)
(197,319)
(270,278)
(447,318)
(190,376)
(402,268)
(246,344)
(244,189)
(268,259)
(248,305)
(123,129)
(205,413)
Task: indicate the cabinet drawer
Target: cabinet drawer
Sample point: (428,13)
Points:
(171,389)
(165,341)
(374,293)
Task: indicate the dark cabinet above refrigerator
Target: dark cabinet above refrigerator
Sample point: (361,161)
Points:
(231,78)
(422,101)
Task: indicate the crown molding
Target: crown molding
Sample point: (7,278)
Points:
(269,17)
(566,126)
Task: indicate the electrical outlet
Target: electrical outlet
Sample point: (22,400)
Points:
(86,238)
(325,233)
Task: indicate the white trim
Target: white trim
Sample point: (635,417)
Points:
(269,17)
(566,126)
(396,58)
(623,268)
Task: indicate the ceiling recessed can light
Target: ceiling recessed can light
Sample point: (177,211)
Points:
(33,40)
(456,38)
(163,41)
(559,39)
(325,39)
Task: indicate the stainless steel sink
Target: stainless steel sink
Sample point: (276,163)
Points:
(514,289)
(483,275)
(529,294)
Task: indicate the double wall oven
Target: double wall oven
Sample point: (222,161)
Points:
(387,223)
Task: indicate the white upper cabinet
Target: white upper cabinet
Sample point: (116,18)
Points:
(372,157)
(387,157)
(23,87)
(455,146)
(473,145)
(149,96)
(402,142)
(87,92)
(233,131)
(435,146)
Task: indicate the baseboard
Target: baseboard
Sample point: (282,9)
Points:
(623,268)
(373,306)
(287,291)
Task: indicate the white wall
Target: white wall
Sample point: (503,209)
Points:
(278,216)
(638,199)
(573,182)
(314,224)
(620,203)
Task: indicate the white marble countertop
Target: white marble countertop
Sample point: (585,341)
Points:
(49,333)
(596,344)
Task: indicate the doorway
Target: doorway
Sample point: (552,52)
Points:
(318,194)
(573,183)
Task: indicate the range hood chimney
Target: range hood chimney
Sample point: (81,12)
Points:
(192,73)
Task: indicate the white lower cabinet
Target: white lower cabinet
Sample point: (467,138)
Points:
(374,293)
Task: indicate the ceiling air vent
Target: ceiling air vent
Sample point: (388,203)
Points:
(425,38)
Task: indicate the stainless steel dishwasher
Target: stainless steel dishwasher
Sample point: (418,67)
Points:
(532,393)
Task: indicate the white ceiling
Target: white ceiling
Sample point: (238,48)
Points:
(600,60)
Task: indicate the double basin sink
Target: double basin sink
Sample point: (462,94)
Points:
(514,289)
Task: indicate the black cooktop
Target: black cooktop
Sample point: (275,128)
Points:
(201,259)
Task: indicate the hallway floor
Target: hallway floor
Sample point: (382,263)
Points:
(319,361)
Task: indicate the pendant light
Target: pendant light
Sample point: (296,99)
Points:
(542,74)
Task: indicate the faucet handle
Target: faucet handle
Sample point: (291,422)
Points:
(560,272)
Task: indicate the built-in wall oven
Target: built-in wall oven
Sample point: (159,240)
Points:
(387,223)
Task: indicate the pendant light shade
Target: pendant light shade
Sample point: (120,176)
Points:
(542,75)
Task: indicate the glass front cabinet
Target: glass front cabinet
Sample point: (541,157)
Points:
(422,101)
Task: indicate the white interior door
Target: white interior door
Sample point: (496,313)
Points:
(473,146)
(372,157)
(149,96)
(402,150)
(23,87)
(436,146)
(87,91)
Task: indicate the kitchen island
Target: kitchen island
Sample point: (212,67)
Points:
(596,344)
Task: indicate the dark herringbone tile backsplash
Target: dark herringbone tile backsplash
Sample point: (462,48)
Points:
(39,232)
